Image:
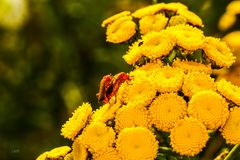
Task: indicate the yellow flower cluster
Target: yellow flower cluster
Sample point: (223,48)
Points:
(121,27)
(169,92)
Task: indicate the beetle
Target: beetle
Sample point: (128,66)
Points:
(109,86)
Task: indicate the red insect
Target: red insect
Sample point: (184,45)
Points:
(109,85)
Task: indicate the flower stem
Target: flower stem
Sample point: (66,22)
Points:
(233,152)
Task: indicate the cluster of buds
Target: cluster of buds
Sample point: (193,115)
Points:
(169,106)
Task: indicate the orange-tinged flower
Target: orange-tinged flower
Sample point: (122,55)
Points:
(131,116)
(188,137)
(79,150)
(109,153)
(231,129)
(137,143)
(210,108)
(97,136)
(197,81)
(166,110)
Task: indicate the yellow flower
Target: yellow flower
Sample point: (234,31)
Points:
(42,156)
(121,30)
(233,7)
(134,53)
(174,6)
(152,23)
(148,67)
(176,20)
(218,52)
(98,114)
(210,108)
(79,119)
(149,10)
(167,79)
(109,153)
(226,21)
(58,152)
(187,37)
(69,156)
(228,90)
(97,136)
(140,92)
(231,129)
(166,110)
(114,18)
(188,137)
(197,81)
(157,44)
(189,66)
(191,17)
(232,40)
(79,150)
(131,116)
(137,143)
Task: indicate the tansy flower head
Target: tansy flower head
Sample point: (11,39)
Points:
(226,21)
(137,143)
(149,10)
(152,23)
(97,136)
(140,92)
(121,30)
(98,114)
(109,153)
(59,152)
(115,17)
(131,116)
(79,150)
(157,44)
(228,90)
(191,17)
(197,81)
(166,110)
(218,52)
(150,66)
(167,79)
(210,108)
(231,129)
(233,7)
(189,66)
(79,119)
(134,53)
(188,137)
(42,156)
(69,156)
(187,37)
(176,20)
(232,40)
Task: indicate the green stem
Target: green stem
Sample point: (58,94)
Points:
(213,146)
(233,152)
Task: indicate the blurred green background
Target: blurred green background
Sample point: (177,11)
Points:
(52,59)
